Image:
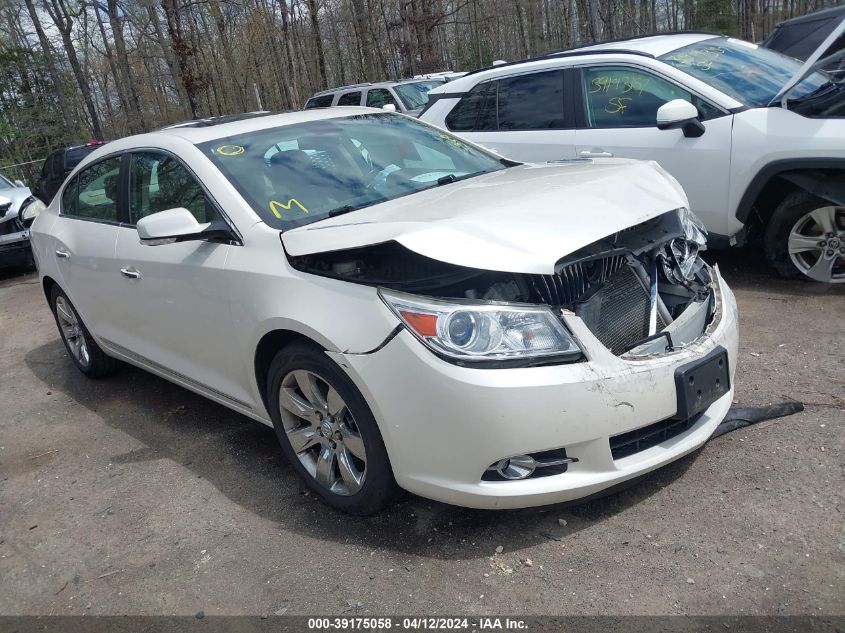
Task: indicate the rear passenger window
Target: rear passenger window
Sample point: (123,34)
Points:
(476,111)
(525,102)
(350,99)
(532,102)
(323,101)
(95,195)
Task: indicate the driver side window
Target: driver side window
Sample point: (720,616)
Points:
(158,182)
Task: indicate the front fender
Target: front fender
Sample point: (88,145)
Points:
(825,186)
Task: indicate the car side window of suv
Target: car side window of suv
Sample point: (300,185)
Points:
(378,97)
(158,182)
(532,101)
(323,101)
(93,193)
(350,99)
(476,111)
(619,96)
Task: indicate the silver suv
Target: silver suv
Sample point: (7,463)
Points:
(408,97)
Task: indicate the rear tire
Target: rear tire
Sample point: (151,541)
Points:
(327,431)
(80,345)
(805,238)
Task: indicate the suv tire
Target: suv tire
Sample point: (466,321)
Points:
(793,220)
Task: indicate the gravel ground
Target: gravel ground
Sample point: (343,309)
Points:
(131,495)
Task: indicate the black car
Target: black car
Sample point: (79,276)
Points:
(800,37)
(57,166)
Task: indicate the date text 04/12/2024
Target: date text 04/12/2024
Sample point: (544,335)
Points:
(418,623)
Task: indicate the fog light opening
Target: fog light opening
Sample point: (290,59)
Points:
(517,467)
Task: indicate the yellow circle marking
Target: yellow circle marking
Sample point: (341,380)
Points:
(230,150)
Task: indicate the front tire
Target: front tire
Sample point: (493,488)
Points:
(80,345)
(328,432)
(806,238)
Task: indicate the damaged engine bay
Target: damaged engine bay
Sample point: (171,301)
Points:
(642,290)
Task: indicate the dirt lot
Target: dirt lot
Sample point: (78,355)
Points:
(132,495)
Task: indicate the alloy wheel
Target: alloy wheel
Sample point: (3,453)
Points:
(816,244)
(71,330)
(322,432)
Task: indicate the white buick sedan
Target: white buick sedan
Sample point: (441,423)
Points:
(404,308)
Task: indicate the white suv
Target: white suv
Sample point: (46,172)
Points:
(710,109)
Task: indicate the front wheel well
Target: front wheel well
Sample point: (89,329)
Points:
(266,351)
(781,185)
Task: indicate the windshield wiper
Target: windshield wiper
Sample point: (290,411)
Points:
(818,92)
(445,180)
(347,208)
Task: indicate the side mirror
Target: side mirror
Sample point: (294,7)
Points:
(179,225)
(19,183)
(388,107)
(30,210)
(680,115)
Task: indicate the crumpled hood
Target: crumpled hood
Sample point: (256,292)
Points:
(522,219)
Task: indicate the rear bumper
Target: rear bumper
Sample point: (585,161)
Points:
(444,425)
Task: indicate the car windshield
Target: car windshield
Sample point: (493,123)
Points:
(298,174)
(6,183)
(415,95)
(749,73)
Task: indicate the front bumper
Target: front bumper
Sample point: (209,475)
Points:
(15,253)
(444,425)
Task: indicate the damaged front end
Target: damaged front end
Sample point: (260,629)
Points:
(640,291)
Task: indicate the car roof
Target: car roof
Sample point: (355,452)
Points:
(376,84)
(644,45)
(654,45)
(208,130)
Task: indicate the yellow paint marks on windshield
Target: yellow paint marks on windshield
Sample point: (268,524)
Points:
(702,58)
(229,150)
(277,207)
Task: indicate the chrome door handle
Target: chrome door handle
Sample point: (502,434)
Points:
(596,154)
(130,273)
(63,254)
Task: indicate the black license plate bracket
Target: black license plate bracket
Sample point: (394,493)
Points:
(701,383)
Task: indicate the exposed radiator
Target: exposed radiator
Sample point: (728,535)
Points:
(575,281)
(618,314)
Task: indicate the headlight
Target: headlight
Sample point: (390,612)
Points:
(680,256)
(694,230)
(30,210)
(476,332)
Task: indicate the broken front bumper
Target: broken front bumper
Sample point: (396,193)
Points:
(445,425)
